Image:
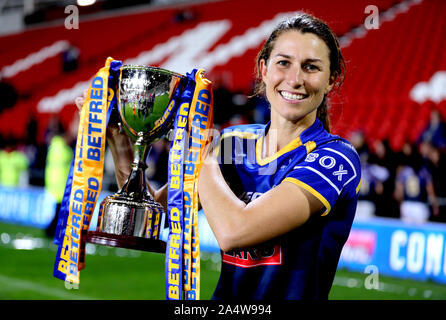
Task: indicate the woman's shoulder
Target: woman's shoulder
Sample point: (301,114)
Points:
(340,143)
(341,147)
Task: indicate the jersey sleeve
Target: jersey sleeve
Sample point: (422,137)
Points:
(328,172)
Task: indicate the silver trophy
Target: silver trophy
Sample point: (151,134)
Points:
(131,218)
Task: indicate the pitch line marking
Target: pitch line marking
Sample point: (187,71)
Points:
(20,284)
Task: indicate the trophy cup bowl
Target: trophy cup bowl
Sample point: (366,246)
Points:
(131,218)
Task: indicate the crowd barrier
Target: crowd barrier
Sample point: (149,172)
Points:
(27,206)
(395,248)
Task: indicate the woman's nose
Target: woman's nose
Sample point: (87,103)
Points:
(295,77)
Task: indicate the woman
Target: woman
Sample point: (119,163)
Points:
(285,243)
(282,202)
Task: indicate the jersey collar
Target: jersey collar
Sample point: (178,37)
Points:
(307,138)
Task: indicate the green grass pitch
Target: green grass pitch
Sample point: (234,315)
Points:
(27,259)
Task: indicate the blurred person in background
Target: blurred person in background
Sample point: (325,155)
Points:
(224,108)
(231,107)
(36,152)
(435,162)
(372,178)
(13,165)
(357,139)
(371,189)
(58,162)
(435,132)
(8,93)
(414,188)
(384,162)
(70,58)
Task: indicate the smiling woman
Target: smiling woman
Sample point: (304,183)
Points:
(284,242)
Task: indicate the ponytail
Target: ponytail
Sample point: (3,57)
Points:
(322,114)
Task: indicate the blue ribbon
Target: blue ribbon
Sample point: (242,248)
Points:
(174,246)
(113,80)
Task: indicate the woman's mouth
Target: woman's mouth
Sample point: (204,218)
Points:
(293,97)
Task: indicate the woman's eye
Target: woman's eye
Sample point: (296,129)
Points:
(283,63)
(310,67)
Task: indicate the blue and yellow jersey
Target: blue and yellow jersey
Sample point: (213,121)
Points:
(302,263)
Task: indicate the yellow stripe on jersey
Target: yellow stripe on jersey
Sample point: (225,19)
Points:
(290,146)
(310,145)
(313,192)
(359,186)
(239,134)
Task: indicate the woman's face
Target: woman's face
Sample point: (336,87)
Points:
(297,76)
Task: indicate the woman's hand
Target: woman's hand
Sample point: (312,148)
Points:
(80,100)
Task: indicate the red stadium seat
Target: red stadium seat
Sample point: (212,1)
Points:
(388,63)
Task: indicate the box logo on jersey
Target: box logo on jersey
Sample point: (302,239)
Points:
(267,254)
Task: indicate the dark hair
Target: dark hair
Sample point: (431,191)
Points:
(306,23)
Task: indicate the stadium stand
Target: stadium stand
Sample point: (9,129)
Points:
(31,60)
(384,67)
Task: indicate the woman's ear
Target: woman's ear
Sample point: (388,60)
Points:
(330,84)
(263,68)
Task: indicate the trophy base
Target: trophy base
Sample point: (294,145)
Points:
(127,242)
(129,223)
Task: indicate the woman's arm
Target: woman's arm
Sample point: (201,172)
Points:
(159,195)
(122,152)
(236,224)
